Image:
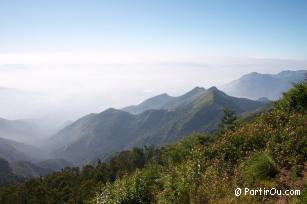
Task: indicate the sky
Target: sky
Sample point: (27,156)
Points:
(88,55)
(260,28)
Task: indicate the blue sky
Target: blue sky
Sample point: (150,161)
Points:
(237,28)
(104,53)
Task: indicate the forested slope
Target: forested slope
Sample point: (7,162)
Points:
(268,151)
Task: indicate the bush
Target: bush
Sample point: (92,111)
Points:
(136,188)
(179,152)
(294,99)
(259,166)
(228,122)
(301,199)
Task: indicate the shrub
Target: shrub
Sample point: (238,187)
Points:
(294,99)
(301,199)
(259,166)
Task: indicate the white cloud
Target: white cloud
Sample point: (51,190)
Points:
(68,91)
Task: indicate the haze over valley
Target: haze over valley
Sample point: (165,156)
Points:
(161,101)
(159,120)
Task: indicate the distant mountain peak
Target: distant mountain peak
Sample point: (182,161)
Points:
(254,73)
(285,72)
(213,88)
(198,88)
(288,73)
(158,123)
(250,76)
(256,85)
(166,102)
(158,97)
(194,92)
(216,92)
(162,95)
(112,111)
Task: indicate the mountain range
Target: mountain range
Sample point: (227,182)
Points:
(26,169)
(164,101)
(255,85)
(16,151)
(161,122)
(20,130)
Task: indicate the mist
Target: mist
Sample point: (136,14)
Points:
(65,91)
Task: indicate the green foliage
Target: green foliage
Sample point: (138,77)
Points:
(72,185)
(288,141)
(302,199)
(260,166)
(295,99)
(197,169)
(6,174)
(137,188)
(228,122)
(181,150)
(294,173)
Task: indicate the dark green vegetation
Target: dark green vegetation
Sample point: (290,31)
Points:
(97,135)
(25,160)
(159,121)
(6,174)
(74,185)
(268,151)
(28,169)
(12,172)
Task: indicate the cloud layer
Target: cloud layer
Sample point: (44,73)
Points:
(68,91)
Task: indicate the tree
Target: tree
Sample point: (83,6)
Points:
(294,99)
(228,122)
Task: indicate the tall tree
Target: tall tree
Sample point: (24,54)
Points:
(228,121)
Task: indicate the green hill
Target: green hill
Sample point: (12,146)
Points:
(269,151)
(165,102)
(97,135)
